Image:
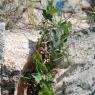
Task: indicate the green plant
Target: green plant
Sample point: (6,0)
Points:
(91,15)
(49,50)
(46,90)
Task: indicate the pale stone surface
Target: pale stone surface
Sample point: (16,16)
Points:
(18,44)
(74,78)
(2,26)
(79,77)
(17,47)
(76,5)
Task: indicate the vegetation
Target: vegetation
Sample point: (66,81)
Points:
(91,15)
(49,52)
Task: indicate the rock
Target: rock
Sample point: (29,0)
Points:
(2,26)
(78,5)
(76,76)
(1,56)
(79,77)
(8,81)
(18,44)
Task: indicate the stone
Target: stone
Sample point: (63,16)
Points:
(18,44)
(2,26)
(78,77)
(76,6)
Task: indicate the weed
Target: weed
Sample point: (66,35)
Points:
(49,52)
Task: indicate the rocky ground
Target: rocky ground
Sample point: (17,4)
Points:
(17,46)
(76,76)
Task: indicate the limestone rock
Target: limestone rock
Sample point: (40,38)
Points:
(79,77)
(18,44)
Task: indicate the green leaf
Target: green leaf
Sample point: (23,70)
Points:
(50,4)
(53,10)
(46,90)
(37,77)
(55,36)
(69,25)
(46,15)
(40,66)
(42,77)
(38,56)
(25,78)
(66,26)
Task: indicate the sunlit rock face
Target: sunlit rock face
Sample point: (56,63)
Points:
(14,13)
(77,5)
(18,5)
(17,45)
(78,78)
(74,78)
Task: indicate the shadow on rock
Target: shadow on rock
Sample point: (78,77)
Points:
(9,78)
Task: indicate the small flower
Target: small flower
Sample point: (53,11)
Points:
(60,5)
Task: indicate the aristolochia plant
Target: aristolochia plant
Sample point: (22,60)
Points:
(49,52)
